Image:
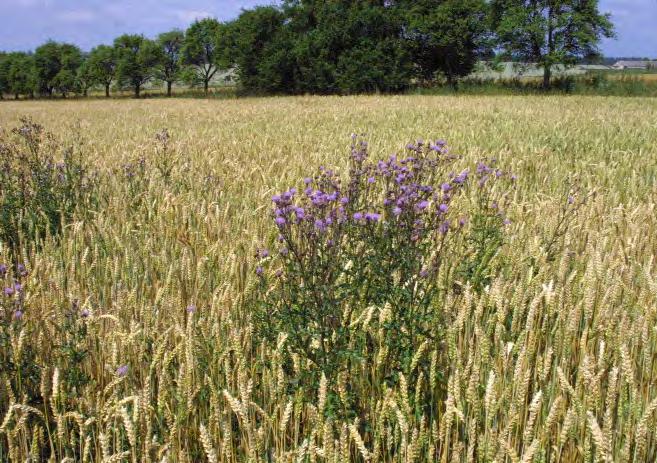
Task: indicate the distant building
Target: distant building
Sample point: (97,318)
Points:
(634,65)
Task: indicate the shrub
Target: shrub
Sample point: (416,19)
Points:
(364,264)
(43,184)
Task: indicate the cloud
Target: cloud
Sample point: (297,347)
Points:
(189,16)
(76,16)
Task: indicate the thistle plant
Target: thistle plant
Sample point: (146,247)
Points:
(43,184)
(373,253)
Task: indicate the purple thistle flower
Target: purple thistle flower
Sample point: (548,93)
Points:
(372,217)
(276,199)
(9,291)
(3,270)
(21,270)
(424,273)
(461,178)
(18,287)
(280,221)
(571,200)
(279,273)
(191,308)
(371,180)
(444,227)
(307,180)
(122,370)
(263,253)
(462,221)
(445,187)
(506,222)
(84,313)
(284,252)
(320,225)
(259,270)
(443,208)
(358,216)
(397,210)
(422,205)
(344,200)
(18,315)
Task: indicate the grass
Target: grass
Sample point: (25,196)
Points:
(556,361)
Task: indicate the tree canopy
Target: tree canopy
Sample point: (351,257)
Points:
(549,32)
(200,50)
(136,59)
(315,46)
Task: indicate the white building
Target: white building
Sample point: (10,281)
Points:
(634,65)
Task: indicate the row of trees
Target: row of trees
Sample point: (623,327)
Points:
(341,46)
(132,61)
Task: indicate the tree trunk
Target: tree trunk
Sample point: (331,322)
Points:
(205,86)
(547,75)
(137,90)
(452,82)
(547,63)
(168,88)
(107,95)
(84,93)
(16,96)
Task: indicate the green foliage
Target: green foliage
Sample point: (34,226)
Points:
(55,67)
(136,60)
(201,51)
(43,185)
(168,67)
(446,36)
(20,74)
(102,66)
(267,66)
(84,78)
(548,32)
(4,74)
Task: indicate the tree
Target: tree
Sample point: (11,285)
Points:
(4,74)
(136,60)
(446,36)
(85,78)
(257,43)
(169,65)
(349,46)
(20,74)
(200,50)
(549,32)
(102,66)
(54,64)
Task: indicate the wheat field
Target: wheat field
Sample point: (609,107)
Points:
(556,361)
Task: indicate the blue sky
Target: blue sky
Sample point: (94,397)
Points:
(27,23)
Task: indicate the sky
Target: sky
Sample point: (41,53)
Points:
(86,23)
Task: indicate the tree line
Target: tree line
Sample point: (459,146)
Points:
(323,47)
